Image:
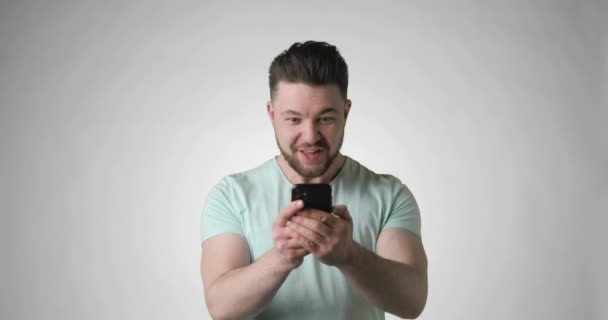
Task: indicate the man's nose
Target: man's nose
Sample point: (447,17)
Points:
(311,133)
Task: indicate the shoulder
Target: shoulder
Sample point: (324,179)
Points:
(245,184)
(383,180)
(384,186)
(247,177)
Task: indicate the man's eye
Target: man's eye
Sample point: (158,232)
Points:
(327,119)
(293,120)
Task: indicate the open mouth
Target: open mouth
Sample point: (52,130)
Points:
(310,154)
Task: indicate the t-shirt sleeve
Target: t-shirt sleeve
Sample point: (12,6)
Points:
(218,214)
(404,212)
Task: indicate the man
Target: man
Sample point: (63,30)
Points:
(266,257)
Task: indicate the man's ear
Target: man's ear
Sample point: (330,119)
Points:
(347,108)
(270,110)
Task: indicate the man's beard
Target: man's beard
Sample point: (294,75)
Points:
(297,166)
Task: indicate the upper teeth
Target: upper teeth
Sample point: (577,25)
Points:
(310,151)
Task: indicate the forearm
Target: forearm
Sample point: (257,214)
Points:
(395,287)
(243,292)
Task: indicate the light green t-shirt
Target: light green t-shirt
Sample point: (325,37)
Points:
(247,203)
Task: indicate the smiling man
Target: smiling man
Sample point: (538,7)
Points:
(266,257)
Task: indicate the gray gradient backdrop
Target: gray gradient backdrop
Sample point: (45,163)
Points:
(118,117)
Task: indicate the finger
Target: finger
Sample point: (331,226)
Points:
(322,216)
(293,243)
(290,233)
(306,244)
(302,252)
(287,242)
(282,234)
(303,231)
(313,224)
(294,237)
(297,242)
(289,211)
(342,212)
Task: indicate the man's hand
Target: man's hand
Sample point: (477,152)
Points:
(329,237)
(291,253)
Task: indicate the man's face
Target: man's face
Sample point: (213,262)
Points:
(309,124)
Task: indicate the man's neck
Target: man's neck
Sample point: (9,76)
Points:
(295,178)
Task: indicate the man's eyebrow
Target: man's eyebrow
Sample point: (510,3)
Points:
(291,113)
(329,110)
(295,113)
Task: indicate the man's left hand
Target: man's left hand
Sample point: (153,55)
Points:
(329,237)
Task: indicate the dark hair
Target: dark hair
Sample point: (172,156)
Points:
(311,62)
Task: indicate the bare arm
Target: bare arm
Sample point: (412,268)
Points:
(396,278)
(234,287)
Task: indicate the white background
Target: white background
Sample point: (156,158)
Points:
(118,117)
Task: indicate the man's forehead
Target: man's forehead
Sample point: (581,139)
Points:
(299,97)
(295,112)
(304,89)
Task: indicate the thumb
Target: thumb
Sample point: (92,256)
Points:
(341,212)
(289,211)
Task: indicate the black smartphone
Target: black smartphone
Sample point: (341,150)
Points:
(315,195)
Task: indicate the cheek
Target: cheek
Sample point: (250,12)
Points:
(331,133)
(286,136)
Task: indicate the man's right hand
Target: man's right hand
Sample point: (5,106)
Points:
(226,265)
(291,254)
